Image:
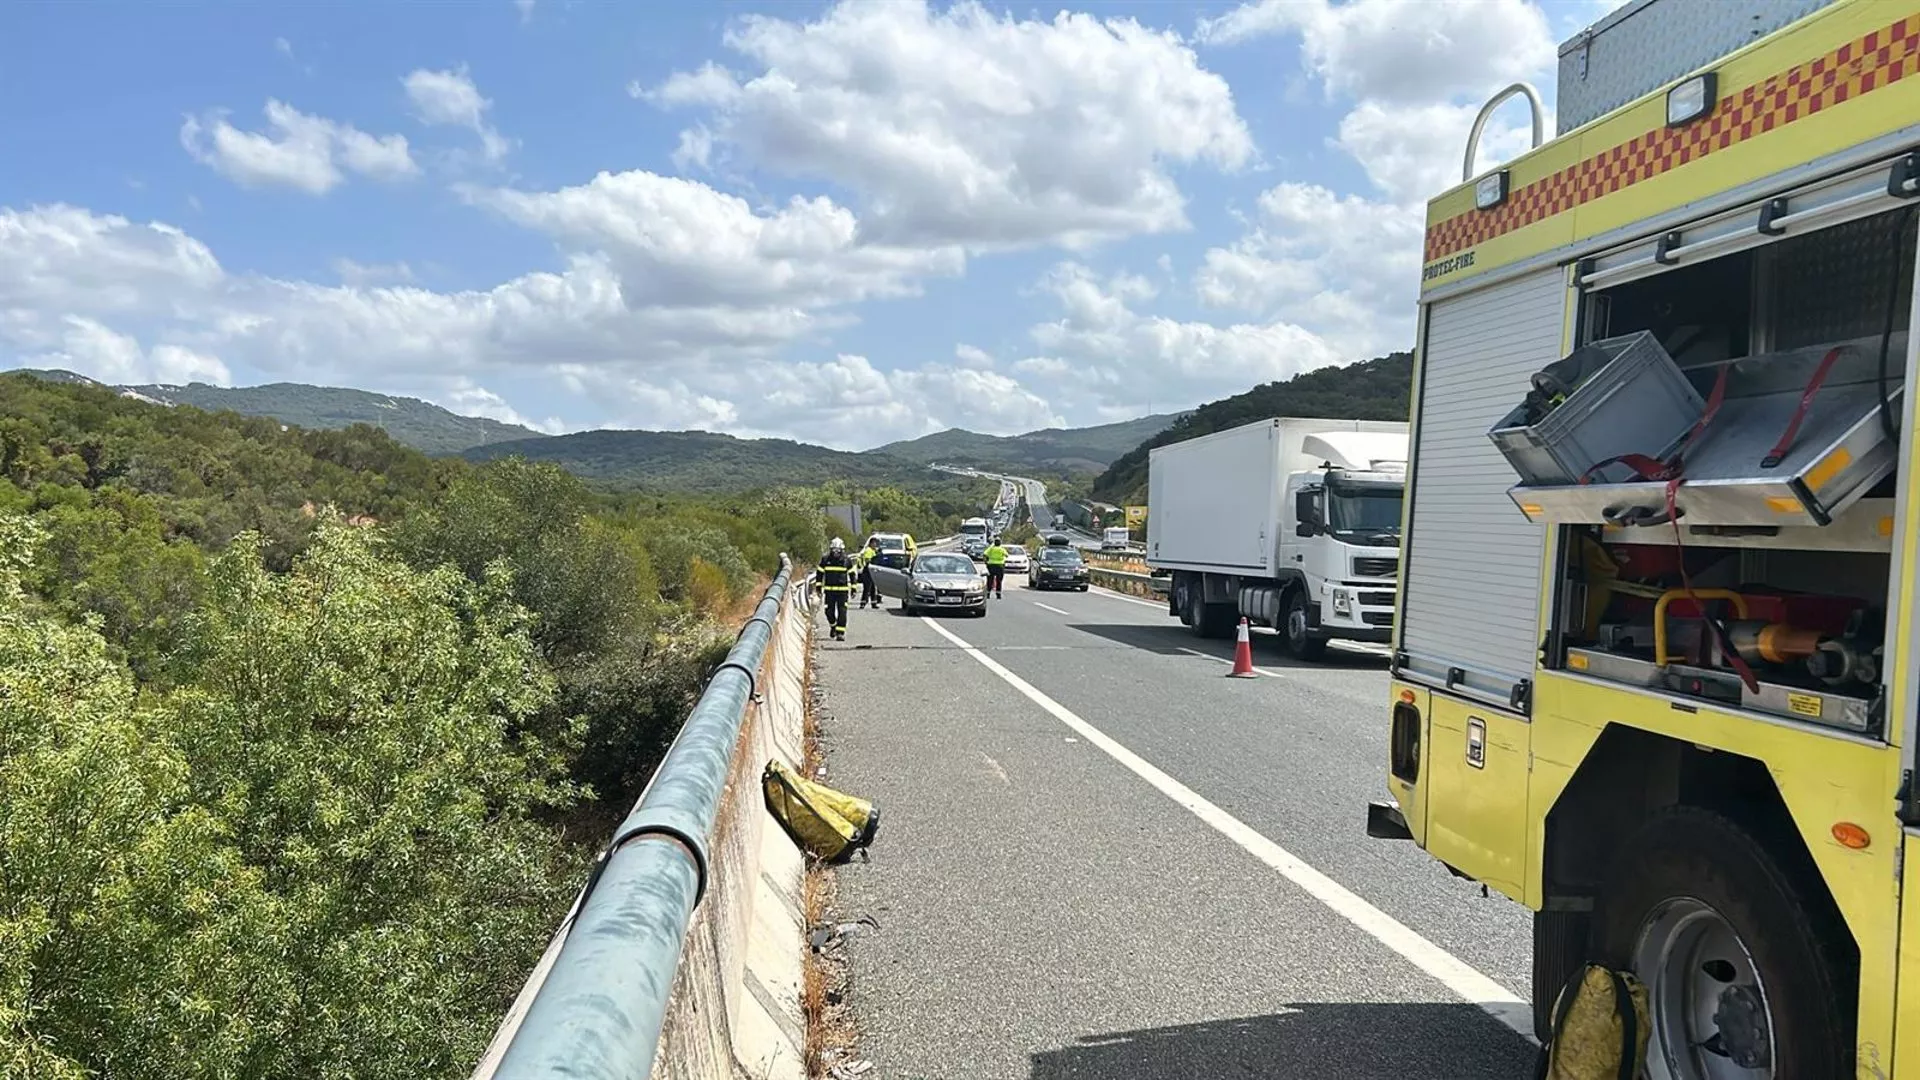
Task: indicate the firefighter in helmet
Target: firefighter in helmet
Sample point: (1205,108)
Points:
(836,582)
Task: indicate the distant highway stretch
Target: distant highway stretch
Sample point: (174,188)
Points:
(1102,858)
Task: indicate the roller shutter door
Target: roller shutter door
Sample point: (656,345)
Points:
(1471,580)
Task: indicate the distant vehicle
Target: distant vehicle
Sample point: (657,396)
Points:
(974,526)
(974,547)
(1115,539)
(938,581)
(883,541)
(1057,567)
(1016,559)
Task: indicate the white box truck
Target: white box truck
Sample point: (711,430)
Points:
(1291,522)
(1115,538)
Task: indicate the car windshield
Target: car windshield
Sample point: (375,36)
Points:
(943,564)
(1016,549)
(1066,556)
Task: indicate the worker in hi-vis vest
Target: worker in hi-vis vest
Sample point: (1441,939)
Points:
(863,565)
(996,559)
(836,583)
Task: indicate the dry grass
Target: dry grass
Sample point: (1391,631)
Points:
(823,997)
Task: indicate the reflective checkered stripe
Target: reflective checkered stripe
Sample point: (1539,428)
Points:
(1856,68)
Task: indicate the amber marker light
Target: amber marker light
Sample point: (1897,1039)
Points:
(1851,835)
(1406,696)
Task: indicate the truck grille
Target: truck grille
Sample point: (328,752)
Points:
(1377,618)
(1376,599)
(1376,566)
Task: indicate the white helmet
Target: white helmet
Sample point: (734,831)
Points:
(837,545)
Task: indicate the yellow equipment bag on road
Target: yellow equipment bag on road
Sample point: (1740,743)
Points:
(826,823)
(1600,1028)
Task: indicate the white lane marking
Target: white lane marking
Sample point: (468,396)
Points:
(1452,972)
(1051,608)
(1228,662)
(1100,591)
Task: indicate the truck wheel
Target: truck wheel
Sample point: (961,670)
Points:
(1300,644)
(1742,967)
(1559,950)
(1214,620)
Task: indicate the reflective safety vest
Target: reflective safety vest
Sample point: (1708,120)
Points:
(996,556)
(867,555)
(835,573)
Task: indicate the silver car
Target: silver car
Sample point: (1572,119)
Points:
(938,581)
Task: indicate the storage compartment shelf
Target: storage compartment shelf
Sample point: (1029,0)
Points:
(1837,455)
(1821,706)
(1866,526)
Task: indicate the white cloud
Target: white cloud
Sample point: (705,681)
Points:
(1403,51)
(526,9)
(450,97)
(355,273)
(1104,352)
(678,242)
(308,153)
(92,349)
(963,126)
(283,47)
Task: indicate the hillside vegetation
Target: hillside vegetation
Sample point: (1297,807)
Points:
(1376,389)
(419,424)
(702,461)
(306,737)
(1066,450)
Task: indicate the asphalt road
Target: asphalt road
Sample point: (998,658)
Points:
(1050,909)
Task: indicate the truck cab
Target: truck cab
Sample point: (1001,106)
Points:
(1345,535)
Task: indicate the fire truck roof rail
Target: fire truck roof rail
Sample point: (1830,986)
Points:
(1494,102)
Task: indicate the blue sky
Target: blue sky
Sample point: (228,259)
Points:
(845,223)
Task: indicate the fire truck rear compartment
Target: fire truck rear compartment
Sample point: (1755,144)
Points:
(1785,620)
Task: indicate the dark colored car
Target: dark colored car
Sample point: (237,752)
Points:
(1058,568)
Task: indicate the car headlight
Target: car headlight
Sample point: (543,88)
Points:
(977,586)
(1342,602)
(921,586)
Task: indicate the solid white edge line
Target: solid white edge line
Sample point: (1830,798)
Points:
(1465,981)
(1224,660)
(1051,608)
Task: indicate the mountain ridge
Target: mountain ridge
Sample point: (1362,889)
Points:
(416,423)
(1085,449)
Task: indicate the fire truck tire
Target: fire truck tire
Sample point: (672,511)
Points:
(1698,908)
(1559,948)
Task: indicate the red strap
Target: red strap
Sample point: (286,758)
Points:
(1779,451)
(1714,398)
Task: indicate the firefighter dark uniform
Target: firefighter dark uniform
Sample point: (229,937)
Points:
(836,585)
(869,591)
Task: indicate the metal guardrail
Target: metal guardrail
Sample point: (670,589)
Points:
(1151,583)
(599,996)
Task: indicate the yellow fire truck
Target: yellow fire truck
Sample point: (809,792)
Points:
(1650,677)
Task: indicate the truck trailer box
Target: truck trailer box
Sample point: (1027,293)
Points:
(1216,502)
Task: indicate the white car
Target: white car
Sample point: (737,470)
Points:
(1016,559)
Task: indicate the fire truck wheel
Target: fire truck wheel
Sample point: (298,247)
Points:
(1744,969)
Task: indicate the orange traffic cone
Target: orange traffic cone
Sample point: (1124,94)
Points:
(1242,655)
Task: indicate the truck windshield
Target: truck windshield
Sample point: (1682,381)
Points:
(1364,513)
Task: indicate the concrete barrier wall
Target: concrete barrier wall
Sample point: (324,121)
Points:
(735,1009)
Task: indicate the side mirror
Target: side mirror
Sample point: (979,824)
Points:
(1306,513)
